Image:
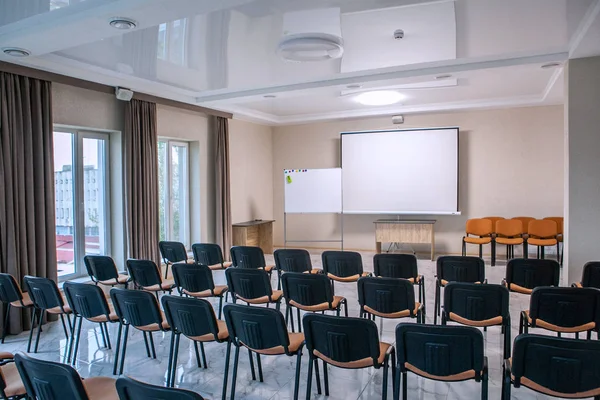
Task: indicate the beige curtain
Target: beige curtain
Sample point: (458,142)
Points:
(223,194)
(140,160)
(27,216)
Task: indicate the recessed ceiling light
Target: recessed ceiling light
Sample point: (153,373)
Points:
(445,76)
(379,98)
(354,86)
(16,52)
(551,65)
(269,96)
(122,23)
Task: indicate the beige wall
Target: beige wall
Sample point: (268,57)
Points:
(510,163)
(251,158)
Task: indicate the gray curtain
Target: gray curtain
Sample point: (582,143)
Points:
(140,160)
(223,194)
(27,215)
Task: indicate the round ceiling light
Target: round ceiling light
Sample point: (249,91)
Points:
(551,65)
(310,47)
(379,98)
(16,52)
(122,23)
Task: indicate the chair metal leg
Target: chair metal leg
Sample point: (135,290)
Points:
(37,337)
(317,375)
(220,306)
(507,339)
(198,362)
(493,245)
(170,364)
(33,316)
(6,321)
(480,251)
(76,350)
(107,335)
(437,302)
(166,270)
(404,386)
(299,320)
(226,372)
(386,369)
(543,250)
(309,378)
(146,343)
(235,367)
(203,355)
(251,364)
(298,365)
(118,348)
(101,333)
(291,317)
(175,355)
(484,380)
(259,365)
(422,287)
(346,308)
(394,382)
(152,345)
(125,335)
(325,378)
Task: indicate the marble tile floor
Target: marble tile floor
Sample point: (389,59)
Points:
(94,360)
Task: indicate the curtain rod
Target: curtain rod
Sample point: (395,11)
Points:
(99,87)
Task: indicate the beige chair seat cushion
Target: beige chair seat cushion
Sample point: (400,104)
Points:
(112,317)
(269,268)
(542,242)
(540,323)
(444,282)
(397,314)
(296,340)
(14,384)
(486,322)
(155,327)
(26,301)
(5,355)
(101,388)
(216,267)
(209,337)
(320,307)
(121,279)
(415,280)
(519,289)
(218,291)
(477,240)
(352,278)
(276,296)
(470,374)
(509,241)
(167,284)
(362,363)
(57,310)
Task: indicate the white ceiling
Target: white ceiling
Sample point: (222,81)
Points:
(222,54)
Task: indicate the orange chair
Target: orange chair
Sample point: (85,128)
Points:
(509,232)
(525,221)
(494,220)
(542,233)
(560,236)
(481,229)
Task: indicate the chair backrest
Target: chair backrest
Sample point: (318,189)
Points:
(386,295)
(256,327)
(494,220)
(292,260)
(479,227)
(342,263)
(9,289)
(100,268)
(564,366)
(207,253)
(542,228)
(136,307)
(43,292)
(559,223)
(525,221)
(193,278)
(190,316)
(440,350)
(341,339)
(531,273)
(509,227)
(461,269)
(476,302)
(86,300)
(389,265)
(247,257)
(144,273)
(306,289)
(591,275)
(565,306)
(46,380)
(248,283)
(130,389)
(172,252)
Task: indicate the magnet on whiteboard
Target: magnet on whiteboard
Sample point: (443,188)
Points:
(289,179)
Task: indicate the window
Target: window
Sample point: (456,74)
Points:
(82,223)
(173,184)
(172,41)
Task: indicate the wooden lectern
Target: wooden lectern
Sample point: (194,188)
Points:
(254,233)
(405,231)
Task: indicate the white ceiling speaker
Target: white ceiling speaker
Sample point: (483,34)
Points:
(122,23)
(311,35)
(123,94)
(16,52)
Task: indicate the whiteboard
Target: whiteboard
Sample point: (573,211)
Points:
(313,190)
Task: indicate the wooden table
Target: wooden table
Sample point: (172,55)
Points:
(405,231)
(254,233)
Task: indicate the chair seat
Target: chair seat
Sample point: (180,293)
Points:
(14,384)
(276,296)
(415,280)
(296,340)
(519,289)
(470,374)
(540,323)
(164,325)
(167,285)
(470,322)
(64,310)
(477,240)
(121,279)
(362,363)
(542,242)
(25,302)
(509,241)
(216,267)
(101,388)
(112,316)
(352,278)
(444,282)
(209,337)
(314,271)
(218,291)
(397,314)
(578,284)
(5,355)
(269,268)
(320,307)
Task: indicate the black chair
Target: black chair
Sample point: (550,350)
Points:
(388,298)
(343,266)
(11,385)
(146,276)
(590,276)
(562,310)
(456,269)
(89,302)
(12,296)
(351,343)
(252,286)
(262,331)
(102,270)
(310,293)
(400,266)
(251,257)
(293,260)
(478,306)
(139,309)
(443,353)
(524,275)
(210,254)
(172,252)
(196,280)
(195,319)
(46,380)
(130,389)
(47,299)
(557,367)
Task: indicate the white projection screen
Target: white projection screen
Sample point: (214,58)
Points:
(412,171)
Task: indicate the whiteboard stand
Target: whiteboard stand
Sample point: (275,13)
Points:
(340,241)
